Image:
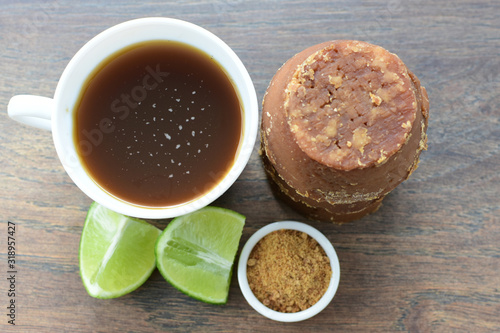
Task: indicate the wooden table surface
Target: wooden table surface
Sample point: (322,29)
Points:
(427,261)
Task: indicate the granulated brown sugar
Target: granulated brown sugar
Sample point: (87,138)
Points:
(288,271)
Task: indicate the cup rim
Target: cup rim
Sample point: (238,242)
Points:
(281,316)
(241,80)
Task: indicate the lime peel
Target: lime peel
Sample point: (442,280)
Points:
(116,252)
(196,252)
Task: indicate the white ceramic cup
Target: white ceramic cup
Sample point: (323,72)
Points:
(56,114)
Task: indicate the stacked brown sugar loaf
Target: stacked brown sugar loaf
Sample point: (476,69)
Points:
(343,123)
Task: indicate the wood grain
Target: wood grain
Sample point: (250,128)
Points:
(427,261)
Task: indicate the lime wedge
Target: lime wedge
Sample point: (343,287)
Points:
(196,252)
(116,252)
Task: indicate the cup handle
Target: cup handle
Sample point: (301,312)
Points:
(31,110)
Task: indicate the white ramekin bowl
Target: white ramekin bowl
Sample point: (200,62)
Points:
(281,316)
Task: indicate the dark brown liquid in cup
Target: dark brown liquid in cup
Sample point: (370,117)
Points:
(158,124)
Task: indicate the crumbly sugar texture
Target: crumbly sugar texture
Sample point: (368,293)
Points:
(351,105)
(288,271)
